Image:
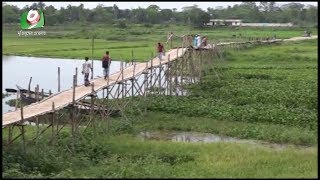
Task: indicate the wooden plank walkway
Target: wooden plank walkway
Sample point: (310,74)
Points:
(64,98)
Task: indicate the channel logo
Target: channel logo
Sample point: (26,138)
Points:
(32,19)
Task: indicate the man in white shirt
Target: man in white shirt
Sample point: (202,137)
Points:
(86,67)
(199,41)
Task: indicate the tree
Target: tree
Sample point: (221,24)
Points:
(10,14)
(197,16)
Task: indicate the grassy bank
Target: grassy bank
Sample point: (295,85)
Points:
(74,41)
(123,156)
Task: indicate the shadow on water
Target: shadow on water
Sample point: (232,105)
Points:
(197,137)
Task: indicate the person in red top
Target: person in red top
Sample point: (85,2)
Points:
(204,41)
(160,51)
(106,61)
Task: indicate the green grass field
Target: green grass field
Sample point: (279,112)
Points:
(74,41)
(264,93)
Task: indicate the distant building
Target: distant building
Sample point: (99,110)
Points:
(224,22)
(238,22)
(267,24)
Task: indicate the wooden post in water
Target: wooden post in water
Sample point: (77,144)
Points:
(132,56)
(38,93)
(42,94)
(50,92)
(77,76)
(17,99)
(29,94)
(58,79)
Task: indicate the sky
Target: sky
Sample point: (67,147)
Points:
(131,5)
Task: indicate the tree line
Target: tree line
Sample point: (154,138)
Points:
(263,12)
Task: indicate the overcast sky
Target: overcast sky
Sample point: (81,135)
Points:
(130,5)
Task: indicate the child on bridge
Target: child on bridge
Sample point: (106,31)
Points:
(86,67)
(160,51)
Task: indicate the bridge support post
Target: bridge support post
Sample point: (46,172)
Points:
(77,76)
(73,112)
(176,77)
(10,133)
(53,123)
(58,79)
(170,64)
(92,106)
(159,76)
(146,84)
(182,73)
(22,128)
(37,118)
(151,70)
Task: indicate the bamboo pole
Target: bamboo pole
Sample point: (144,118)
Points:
(132,79)
(176,77)
(37,118)
(132,56)
(58,79)
(29,93)
(146,87)
(92,102)
(151,70)
(42,94)
(122,77)
(170,75)
(10,134)
(22,127)
(52,121)
(159,76)
(77,76)
(17,100)
(73,109)
(92,57)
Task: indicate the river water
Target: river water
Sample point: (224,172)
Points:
(17,70)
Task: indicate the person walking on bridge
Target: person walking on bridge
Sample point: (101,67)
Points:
(86,67)
(160,51)
(106,61)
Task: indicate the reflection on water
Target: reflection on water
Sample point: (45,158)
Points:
(196,137)
(185,137)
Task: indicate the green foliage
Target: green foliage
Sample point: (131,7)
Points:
(196,17)
(126,157)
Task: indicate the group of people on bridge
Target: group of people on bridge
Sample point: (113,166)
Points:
(87,67)
(198,42)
